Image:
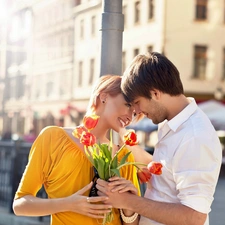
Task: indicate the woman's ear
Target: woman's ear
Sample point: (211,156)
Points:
(103,97)
(156,94)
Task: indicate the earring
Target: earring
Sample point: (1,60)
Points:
(103,101)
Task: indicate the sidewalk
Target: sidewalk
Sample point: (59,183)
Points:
(10,219)
(216,216)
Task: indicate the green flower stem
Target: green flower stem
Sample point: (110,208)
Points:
(110,164)
(132,163)
(125,164)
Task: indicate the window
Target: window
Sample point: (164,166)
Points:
(137,12)
(224,11)
(77,2)
(150,9)
(150,48)
(123,61)
(200,61)
(49,88)
(20,86)
(81,29)
(125,15)
(136,51)
(201,9)
(80,74)
(12,88)
(36,87)
(92,71)
(65,82)
(223,77)
(93,22)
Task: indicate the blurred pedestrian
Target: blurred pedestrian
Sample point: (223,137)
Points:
(30,137)
(7,136)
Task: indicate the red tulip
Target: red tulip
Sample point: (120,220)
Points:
(77,132)
(87,139)
(130,138)
(91,121)
(144,175)
(155,168)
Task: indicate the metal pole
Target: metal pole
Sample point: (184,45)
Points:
(112,27)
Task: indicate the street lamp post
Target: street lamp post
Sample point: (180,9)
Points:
(112,27)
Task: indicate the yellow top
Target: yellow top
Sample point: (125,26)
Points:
(56,162)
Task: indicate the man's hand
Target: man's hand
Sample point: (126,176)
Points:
(116,193)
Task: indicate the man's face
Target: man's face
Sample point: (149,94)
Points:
(151,108)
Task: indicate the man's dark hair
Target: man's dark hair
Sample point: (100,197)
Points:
(148,72)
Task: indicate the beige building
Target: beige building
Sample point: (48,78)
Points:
(63,53)
(187,32)
(50,88)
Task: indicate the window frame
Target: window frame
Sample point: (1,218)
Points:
(200,62)
(201,10)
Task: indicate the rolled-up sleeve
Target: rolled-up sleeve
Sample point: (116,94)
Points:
(195,170)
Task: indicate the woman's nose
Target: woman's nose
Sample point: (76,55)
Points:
(129,116)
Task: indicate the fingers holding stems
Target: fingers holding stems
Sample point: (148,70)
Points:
(122,185)
(90,206)
(97,211)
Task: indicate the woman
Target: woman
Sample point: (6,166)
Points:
(57,161)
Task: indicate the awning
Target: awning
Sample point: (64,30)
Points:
(216,113)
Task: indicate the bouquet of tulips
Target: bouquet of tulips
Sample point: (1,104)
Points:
(100,155)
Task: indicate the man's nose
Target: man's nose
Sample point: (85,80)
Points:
(137,111)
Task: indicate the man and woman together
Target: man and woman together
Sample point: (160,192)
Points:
(188,148)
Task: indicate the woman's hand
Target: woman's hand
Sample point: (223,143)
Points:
(86,205)
(121,185)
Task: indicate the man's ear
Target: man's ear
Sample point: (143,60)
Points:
(103,97)
(156,94)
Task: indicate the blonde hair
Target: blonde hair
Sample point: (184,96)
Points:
(108,84)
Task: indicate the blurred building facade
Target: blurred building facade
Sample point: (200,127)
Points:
(50,54)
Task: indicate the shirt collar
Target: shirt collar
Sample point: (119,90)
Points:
(181,117)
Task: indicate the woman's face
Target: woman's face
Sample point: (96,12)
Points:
(117,112)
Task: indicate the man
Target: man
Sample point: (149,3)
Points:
(188,147)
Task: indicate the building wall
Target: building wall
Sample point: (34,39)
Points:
(86,47)
(183,32)
(64,63)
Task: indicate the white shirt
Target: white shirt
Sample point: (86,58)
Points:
(190,151)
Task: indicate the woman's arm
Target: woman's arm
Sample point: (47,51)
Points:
(32,206)
(140,155)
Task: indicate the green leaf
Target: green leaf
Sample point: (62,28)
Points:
(105,149)
(114,163)
(116,172)
(111,141)
(101,168)
(123,160)
(95,164)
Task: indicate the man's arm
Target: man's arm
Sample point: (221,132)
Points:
(166,213)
